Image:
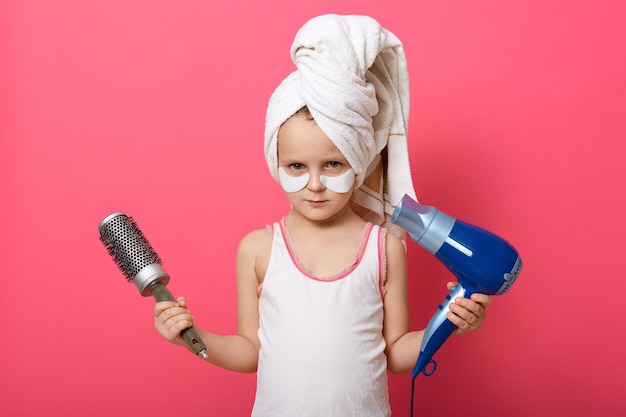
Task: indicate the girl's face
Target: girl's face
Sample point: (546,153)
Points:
(317,179)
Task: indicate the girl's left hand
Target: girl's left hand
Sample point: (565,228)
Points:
(467,314)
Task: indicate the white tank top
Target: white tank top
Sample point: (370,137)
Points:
(322,346)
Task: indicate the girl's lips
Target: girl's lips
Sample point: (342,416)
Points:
(316,202)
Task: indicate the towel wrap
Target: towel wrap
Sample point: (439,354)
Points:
(352,75)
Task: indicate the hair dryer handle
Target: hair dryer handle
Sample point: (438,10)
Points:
(439,330)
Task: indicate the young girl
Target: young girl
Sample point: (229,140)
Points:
(322,293)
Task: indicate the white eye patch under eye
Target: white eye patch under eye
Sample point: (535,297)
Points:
(341,183)
(292,184)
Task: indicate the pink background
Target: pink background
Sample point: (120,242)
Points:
(157,108)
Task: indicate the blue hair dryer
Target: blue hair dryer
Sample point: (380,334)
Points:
(481,261)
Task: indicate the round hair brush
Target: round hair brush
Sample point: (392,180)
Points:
(140,264)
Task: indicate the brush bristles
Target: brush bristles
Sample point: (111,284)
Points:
(127,245)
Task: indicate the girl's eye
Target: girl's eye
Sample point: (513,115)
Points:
(334,164)
(296,166)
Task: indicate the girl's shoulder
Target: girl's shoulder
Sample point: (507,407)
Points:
(256,240)
(254,251)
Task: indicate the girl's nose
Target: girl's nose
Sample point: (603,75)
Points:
(315,184)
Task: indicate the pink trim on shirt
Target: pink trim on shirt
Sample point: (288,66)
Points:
(335,277)
(382,261)
(382,257)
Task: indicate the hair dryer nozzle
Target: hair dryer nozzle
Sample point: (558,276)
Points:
(413,216)
(427,226)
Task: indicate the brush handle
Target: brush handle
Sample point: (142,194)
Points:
(161,293)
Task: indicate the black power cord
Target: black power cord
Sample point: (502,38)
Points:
(412,396)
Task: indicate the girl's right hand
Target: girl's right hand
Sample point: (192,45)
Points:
(171,318)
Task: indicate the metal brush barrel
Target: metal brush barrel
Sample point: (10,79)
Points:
(132,252)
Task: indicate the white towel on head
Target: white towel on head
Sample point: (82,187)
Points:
(352,75)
